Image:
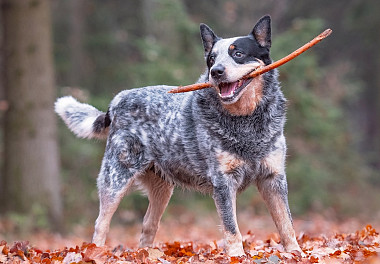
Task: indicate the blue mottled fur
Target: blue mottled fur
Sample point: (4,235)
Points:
(158,140)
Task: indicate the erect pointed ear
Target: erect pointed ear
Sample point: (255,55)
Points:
(262,32)
(208,38)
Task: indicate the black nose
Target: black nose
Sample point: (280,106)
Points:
(217,71)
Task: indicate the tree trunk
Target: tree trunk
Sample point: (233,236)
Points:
(31,166)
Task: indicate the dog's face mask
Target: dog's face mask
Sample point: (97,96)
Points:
(230,59)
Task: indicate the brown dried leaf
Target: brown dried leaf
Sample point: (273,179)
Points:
(94,253)
(19,246)
(72,257)
(155,253)
(142,255)
(361,246)
(3,257)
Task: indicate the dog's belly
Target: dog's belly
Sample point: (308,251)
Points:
(197,169)
(181,176)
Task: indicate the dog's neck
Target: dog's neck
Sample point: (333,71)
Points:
(248,102)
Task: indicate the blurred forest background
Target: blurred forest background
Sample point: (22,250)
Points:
(94,49)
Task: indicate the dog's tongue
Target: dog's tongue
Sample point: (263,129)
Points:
(227,89)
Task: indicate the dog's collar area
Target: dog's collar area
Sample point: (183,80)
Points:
(229,91)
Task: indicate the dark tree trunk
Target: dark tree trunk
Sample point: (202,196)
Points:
(31,163)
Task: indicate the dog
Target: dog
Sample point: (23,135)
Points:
(217,140)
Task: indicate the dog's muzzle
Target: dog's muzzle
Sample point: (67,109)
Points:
(228,92)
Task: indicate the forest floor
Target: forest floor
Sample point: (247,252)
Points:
(191,239)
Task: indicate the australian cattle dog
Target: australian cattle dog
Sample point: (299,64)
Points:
(217,140)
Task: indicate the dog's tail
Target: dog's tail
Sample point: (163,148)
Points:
(83,120)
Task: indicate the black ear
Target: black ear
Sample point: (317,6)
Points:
(208,38)
(262,32)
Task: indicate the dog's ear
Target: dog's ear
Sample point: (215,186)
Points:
(208,38)
(262,32)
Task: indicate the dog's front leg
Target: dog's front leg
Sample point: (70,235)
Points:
(274,191)
(225,200)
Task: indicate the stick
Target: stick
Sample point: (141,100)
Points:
(257,72)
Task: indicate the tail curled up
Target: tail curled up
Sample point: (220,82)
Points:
(83,120)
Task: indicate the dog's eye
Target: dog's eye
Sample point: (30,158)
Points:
(239,54)
(211,59)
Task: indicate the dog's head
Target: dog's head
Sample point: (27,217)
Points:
(228,60)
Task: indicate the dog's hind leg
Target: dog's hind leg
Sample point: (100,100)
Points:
(224,195)
(159,192)
(108,204)
(123,160)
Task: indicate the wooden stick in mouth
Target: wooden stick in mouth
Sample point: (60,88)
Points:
(260,70)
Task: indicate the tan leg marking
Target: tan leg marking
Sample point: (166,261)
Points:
(228,161)
(275,161)
(281,218)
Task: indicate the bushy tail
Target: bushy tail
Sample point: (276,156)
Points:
(83,120)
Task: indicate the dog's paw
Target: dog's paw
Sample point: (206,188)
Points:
(296,250)
(292,247)
(236,250)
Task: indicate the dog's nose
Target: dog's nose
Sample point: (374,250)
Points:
(217,71)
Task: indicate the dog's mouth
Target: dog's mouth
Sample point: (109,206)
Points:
(228,92)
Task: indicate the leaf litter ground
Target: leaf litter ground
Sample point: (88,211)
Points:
(194,240)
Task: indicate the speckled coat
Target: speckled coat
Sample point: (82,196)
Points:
(195,140)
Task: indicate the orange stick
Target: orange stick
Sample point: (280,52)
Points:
(257,72)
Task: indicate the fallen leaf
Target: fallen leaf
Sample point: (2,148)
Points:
(3,258)
(94,253)
(155,253)
(142,254)
(72,257)
(163,261)
(19,246)
(361,246)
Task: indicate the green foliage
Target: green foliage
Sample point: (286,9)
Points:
(80,161)
(169,54)
(22,224)
(321,163)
